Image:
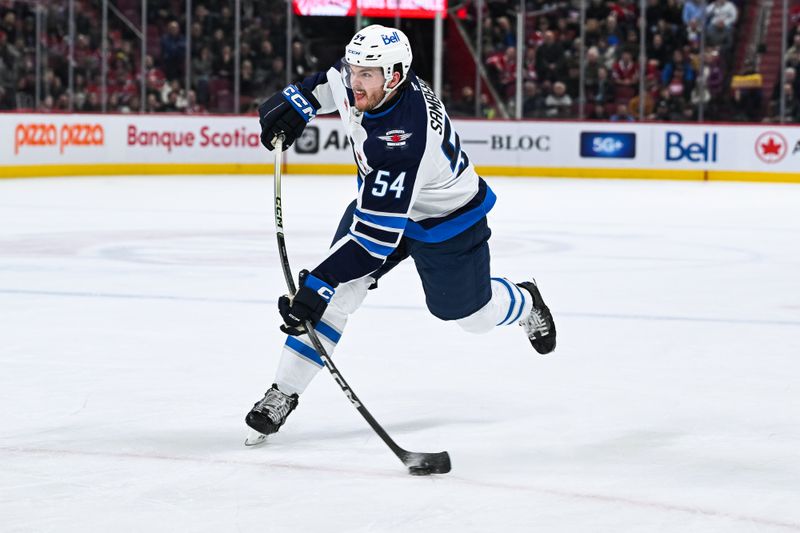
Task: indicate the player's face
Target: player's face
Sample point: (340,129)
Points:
(367,84)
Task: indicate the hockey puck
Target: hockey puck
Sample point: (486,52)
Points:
(420,470)
(425,464)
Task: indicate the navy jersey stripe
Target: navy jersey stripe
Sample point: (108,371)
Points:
(477,200)
(382,220)
(373,247)
(388,237)
(443,228)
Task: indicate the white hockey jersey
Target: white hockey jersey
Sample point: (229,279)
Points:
(415,181)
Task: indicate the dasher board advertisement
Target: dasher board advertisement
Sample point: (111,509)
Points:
(95,144)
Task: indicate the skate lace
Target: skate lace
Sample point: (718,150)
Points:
(276,405)
(535,323)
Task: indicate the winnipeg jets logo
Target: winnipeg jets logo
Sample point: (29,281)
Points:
(395,138)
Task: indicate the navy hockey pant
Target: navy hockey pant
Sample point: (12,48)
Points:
(455,273)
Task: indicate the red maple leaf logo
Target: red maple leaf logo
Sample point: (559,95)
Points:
(771,147)
(396,138)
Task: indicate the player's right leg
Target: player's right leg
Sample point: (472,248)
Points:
(539,324)
(515,303)
(458,286)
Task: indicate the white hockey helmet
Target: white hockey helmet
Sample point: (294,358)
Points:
(379,46)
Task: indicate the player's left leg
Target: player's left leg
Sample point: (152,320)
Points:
(458,286)
(299,361)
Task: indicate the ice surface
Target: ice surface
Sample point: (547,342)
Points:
(138,326)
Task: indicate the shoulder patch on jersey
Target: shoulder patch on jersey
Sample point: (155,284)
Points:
(395,138)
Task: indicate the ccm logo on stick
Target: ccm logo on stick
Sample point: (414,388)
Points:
(50,135)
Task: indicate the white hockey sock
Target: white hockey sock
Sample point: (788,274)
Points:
(513,305)
(508,304)
(300,362)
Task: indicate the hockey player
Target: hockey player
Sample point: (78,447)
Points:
(418,195)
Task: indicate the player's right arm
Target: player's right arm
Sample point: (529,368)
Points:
(319,85)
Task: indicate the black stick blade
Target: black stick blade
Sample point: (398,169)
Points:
(424,464)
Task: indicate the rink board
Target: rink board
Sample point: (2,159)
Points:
(71,144)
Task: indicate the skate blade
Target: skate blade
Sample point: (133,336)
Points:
(254,438)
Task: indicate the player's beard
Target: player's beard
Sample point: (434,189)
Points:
(369,100)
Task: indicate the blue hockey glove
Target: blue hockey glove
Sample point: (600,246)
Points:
(286,112)
(309,303)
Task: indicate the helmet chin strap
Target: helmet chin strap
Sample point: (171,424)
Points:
(387,92)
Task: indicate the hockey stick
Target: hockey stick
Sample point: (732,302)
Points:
(419,464)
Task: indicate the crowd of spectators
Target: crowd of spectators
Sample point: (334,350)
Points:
(674,84)
(676,81)
(791,76)
(262,52)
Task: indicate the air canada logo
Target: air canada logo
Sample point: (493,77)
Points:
(771,147)
(395,138)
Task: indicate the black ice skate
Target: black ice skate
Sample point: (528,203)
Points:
(539,324)
(268,414)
